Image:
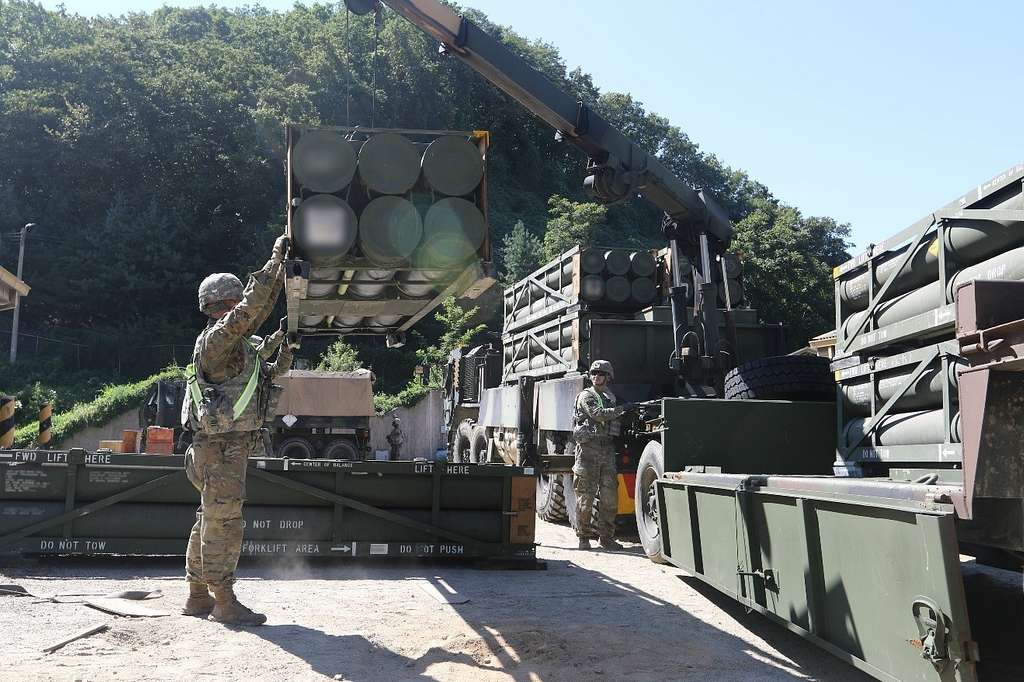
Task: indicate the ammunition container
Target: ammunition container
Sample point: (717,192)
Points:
(359,206)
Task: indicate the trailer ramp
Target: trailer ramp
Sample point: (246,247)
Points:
(868,570)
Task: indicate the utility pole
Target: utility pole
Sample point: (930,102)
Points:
(17,296)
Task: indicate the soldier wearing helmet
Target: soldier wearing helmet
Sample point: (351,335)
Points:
(596,422)
(230,391)
(395,440)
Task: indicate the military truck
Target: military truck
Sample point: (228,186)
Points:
(320,415)
(513,404)
(323,415)
(689,343)
(925,455)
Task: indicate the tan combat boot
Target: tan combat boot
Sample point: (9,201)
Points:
(229,611)
(609,543)
(585,543)
(199,602)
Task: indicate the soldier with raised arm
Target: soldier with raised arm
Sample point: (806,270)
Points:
(230,391)
(594,473)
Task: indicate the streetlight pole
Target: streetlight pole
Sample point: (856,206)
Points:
(17,296)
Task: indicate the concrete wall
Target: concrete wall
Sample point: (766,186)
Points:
(90,437)
(422,425)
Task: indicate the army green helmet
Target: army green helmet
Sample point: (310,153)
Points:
(217,288)
(602,366)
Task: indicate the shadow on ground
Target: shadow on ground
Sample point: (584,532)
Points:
(529,625)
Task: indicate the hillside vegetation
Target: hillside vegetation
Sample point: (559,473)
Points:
(149,149)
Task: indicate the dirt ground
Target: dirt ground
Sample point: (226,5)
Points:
(590,615)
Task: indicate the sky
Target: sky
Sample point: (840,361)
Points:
(873,113)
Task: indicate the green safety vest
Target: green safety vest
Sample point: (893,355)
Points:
(229,406)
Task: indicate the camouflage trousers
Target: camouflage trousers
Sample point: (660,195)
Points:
(594,478)
(215,464)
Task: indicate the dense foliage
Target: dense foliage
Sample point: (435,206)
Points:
(574,222)
(522,252)
(149,150)
(111,402)
(339,357)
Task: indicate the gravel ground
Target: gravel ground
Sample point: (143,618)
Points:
(591,615)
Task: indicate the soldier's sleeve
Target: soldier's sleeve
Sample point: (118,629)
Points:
(283,362)
(274,273)
(244,319)
(591,408)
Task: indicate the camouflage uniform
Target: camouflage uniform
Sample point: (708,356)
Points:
(395,440)
(266,347)
(217,461)
(594,473)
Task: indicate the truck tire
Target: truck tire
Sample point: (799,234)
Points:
(569,495)
(650,468)
(478,450)
(461,442)
(789,377)
(295,447)
(551,498)
(570,502)
(341,449)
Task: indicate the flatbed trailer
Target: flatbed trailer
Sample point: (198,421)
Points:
(92,503)
(928,460)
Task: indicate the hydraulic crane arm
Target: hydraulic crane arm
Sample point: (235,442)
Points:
(618,168)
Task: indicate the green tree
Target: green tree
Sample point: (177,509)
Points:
(163,132)
(339,357)
(571,223)
(521,254)
(459,330)
(788,262)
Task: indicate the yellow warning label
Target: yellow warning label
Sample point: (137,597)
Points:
(933,248)
(835,273)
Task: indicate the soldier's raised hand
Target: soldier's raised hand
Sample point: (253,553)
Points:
(280,248)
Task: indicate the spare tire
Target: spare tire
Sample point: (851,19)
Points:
(295,447)
(787,377)
(551,497)
(478,445)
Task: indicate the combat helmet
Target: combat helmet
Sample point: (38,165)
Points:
(602,366)
(217,288)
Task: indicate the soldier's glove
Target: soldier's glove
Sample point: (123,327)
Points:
(294,342)
(630,407)
(280,249)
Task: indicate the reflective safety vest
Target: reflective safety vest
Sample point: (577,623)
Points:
(229,406)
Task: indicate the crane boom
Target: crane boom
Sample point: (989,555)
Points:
(697,229)
(618,167)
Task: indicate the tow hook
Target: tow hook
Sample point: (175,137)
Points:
(932,630)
